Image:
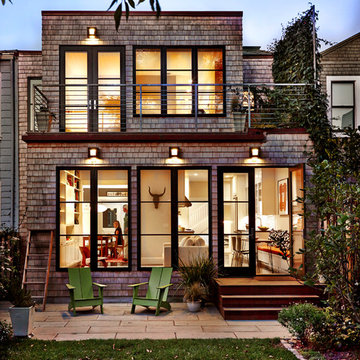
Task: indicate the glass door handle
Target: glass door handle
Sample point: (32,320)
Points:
(95,104)
(89,105)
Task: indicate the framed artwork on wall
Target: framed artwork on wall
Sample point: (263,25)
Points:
(283,197)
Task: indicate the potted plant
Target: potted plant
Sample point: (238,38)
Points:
(239,114)
(197,278)
(193,295)
(22,311)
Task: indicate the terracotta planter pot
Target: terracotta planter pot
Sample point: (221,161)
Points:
(22,320)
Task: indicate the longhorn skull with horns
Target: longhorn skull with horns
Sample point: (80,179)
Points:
(156,197)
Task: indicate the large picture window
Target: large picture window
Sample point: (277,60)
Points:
(93,221)
(176,69)
(174,216)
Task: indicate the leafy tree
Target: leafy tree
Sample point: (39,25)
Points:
(125,5)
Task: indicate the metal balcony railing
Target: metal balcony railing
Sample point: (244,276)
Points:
(115,107)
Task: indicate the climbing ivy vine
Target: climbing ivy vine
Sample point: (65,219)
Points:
(333,196)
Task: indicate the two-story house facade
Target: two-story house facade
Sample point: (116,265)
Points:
(136,129)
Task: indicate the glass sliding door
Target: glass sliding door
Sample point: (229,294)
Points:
(236,222)
(297,217)
(91,96)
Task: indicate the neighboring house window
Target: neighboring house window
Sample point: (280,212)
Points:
(34,101)
(174,69)
(342,104)
(93,221)
(174,216)
(91,98)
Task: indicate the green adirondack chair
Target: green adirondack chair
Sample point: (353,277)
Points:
(81,289)
(158,288)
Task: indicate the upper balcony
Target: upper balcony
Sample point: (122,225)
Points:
(112,107)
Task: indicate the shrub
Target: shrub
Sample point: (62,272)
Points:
(305,321)
(340,330)
(5,332)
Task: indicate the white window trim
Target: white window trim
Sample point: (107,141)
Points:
(356,80)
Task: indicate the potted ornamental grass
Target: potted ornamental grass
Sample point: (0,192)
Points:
(22,311)
(197,278)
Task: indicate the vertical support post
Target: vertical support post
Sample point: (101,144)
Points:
(249,106)
(140,108)
(314,42)
(196,106)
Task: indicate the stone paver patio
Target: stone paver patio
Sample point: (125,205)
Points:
(56,323)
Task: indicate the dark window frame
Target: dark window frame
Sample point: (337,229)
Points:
(220,202)
(174,210)
(163,76)
(93,215)
(92,78)
(343,106)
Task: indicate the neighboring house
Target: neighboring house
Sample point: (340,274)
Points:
(167,158)
(341,76)
(9,170)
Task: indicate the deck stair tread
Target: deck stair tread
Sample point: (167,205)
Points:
(35,268)
(270,296)
(34,282)
(253,309)
(261,297)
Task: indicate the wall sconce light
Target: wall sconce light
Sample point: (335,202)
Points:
(255,152)
(174,152)
(94,153)
(92,32)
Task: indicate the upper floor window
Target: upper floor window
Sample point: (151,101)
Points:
(179,81)
(343,104)
(91,96)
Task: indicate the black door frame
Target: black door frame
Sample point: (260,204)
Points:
(92,78)
(93,216)
(238,271)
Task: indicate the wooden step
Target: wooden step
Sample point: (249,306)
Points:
(265,300)
(261,313)
(34,282)
(267,290)
(35,268)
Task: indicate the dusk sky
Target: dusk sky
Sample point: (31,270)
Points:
(20,23)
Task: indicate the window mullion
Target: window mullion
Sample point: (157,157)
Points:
(174,218)
(163,77)
(93,219)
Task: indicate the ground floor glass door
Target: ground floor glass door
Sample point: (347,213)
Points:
(237,222)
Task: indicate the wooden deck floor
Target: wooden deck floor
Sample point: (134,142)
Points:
(259,281)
